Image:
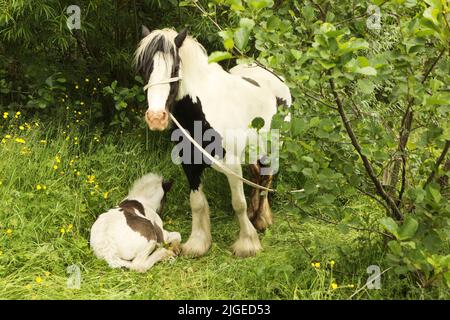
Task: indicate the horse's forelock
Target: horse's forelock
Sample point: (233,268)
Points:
(157,41)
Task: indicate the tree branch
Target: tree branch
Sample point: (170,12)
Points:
(427,73)
(367,165)
(437,164)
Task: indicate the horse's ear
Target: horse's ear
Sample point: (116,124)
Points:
(167,185)
(180,37)
(145,31)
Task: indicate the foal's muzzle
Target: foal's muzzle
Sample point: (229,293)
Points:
(158,120)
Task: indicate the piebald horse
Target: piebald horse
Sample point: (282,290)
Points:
(182,82)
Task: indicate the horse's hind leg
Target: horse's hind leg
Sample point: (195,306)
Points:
(262,217)
(254,197)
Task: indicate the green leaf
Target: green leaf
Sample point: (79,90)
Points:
(217,56)
(259,4)
(389,225)
(368,71)
(408,228)
(365,86)
(241,36)
(257,123)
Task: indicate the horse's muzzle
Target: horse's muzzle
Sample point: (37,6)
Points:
(157,120)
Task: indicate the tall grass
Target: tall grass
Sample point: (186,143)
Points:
(56,179)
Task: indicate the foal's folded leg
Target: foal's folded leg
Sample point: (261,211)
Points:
(159,255)
(139,262)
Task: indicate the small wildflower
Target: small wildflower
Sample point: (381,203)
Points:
(334,286)
(91,179)
(62,230)
(105,195)
(43,141)
(69,227)
(9,232)
(87,79)
(332,263)
(82,103)
(1,253)
(316,265)
(38,279)
(8,136)
(55,167)
(20,140)
(5,115)
(38,187)
(17,115)
(44,187)
(58,159)
(76,86)
(21,128)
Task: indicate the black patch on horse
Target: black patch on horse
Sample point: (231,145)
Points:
(253,82)
(187,113)
(138,223)
(281,102)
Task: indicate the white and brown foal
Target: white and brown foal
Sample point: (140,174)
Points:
(182,82)
(132,235)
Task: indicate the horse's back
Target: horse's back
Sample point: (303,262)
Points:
(265,79)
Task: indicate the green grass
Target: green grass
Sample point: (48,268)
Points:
(35,253)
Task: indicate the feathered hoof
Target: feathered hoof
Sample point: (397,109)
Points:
(196,246)
(247,246)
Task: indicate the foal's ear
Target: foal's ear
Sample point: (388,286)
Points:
(167,185)
(145,31)
(179,39)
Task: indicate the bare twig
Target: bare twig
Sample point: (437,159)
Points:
(427,73)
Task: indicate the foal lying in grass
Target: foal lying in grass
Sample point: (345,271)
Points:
(132,234)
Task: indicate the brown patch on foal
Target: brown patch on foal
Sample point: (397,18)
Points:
(138,223)
(259,211)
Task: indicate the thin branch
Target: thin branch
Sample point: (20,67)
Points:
(427,73)
(367,165)
(437,164)
(373,197)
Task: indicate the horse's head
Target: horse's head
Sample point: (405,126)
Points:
(158,60)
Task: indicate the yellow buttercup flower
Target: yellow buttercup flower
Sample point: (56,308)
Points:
(9,232)
(38,187)
(105,195)
(21,128)
(8,136)
(55,167)
(69,227)
(334,286)
(38,279)
(20,140)
(62,230)
(316,265)
(332,263)
(76,86)
(5,115)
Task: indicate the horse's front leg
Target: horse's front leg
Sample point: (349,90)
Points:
(200,239)
(248,242)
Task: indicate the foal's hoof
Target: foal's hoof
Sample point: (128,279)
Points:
(247,247)
(196,247)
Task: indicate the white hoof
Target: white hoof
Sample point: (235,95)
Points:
(247,246)
(196,246)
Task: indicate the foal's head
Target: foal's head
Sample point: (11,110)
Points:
(158,60)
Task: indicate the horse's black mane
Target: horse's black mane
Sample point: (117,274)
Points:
(144,63)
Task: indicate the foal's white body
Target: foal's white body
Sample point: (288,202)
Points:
(229,103)
(113,240)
